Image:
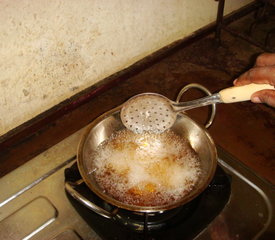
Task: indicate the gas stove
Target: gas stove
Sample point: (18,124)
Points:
(34,205)
(184,222)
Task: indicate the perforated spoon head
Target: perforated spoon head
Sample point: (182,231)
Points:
(148,112)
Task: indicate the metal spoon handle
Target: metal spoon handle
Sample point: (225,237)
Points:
(227,95)
(205,101)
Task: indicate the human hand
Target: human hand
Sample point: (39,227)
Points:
(262,72)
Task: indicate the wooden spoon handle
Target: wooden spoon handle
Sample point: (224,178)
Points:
(241,93)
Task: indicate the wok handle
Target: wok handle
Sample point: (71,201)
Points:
(70,188)
(205,90)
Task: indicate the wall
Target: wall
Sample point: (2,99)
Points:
(52,49)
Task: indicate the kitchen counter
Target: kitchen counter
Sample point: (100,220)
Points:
(245,130)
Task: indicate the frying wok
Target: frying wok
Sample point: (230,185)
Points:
(107,124)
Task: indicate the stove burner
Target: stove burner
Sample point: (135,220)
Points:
(152,221)
(185,222)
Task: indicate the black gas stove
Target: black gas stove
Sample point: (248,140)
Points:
(184,222)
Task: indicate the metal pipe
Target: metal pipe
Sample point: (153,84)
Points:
(219,21)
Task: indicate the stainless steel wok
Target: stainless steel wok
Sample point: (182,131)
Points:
(108,123)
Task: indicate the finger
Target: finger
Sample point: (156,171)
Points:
(264,96)
(265,59)
(257,75)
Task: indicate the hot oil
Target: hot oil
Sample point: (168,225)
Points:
(146,169)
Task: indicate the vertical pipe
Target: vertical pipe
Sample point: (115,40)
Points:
(219,21)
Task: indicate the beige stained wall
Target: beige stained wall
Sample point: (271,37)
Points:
(52,49)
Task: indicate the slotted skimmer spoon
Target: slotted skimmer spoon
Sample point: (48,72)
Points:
(155,113)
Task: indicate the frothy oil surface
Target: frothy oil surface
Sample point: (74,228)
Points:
(146,169)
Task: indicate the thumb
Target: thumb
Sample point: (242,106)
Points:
(264,96)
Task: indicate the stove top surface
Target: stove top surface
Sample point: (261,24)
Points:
(34,204)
